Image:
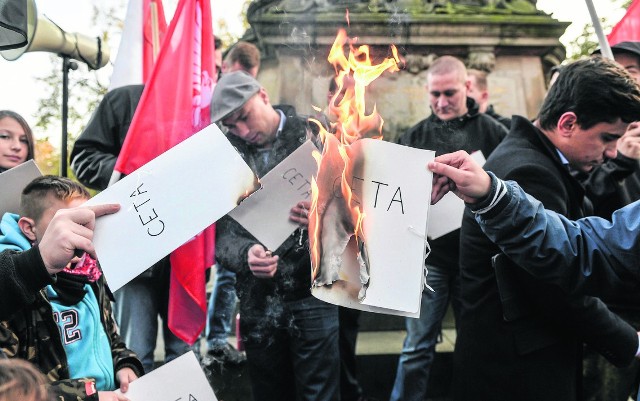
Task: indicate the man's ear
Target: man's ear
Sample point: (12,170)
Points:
(27,226)
(263,95)
(567,123)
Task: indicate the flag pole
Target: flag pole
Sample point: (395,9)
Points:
(155,31)
(605,49)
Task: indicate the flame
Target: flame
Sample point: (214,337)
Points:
(347,108)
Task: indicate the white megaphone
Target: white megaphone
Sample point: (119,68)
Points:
(43,35)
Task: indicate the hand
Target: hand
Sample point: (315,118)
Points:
(125,376)
(71,230)
(261,263)
(459,173)
(111,396)
(300,213)
(629,143)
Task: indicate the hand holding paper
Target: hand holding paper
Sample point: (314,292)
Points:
(261,263)
(300,213)
(69,230)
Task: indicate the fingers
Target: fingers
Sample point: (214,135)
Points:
(261,262)
(102,210)
(629,144)
(300,213)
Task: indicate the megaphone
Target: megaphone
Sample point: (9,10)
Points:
(44,35)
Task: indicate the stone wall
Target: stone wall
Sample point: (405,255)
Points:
(295,38)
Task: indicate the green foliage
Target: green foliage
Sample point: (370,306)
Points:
(585,43)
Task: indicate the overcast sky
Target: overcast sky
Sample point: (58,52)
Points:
(19,90)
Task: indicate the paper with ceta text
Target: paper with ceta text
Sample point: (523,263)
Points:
(167,202)
(265,214)
(382,270)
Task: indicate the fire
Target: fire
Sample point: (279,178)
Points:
(354,72)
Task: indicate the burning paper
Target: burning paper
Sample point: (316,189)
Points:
(368,220)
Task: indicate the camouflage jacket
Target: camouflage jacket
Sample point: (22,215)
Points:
(32,334)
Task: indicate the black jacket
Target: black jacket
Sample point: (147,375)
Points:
(96,150)
(471,132)
(520,339)
(293,278)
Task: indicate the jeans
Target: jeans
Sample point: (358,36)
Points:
(296,360)
(222,304)
(137,307)
(418,350)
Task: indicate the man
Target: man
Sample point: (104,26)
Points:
(617,182)
(519,338)
(612,186)
(455,123)
(290,337)
(479,91)
(243,56)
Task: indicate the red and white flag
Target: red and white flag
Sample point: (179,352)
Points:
(628,29)
(144,29)
(174,105)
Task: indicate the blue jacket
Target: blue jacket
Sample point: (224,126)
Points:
(591,255)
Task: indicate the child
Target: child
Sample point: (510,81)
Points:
(20,380)
(68,331)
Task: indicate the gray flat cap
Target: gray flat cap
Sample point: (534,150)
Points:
(232,91)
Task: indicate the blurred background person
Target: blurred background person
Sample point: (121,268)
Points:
(16,140)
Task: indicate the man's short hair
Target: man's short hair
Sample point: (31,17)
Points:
(245,53)
(481,78)
(446,65)
(32,201)
(596,89)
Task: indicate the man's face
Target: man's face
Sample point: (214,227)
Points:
(447,95)
(590,148)
(250,122)
(630,63)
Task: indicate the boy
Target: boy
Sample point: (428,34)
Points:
(68,330)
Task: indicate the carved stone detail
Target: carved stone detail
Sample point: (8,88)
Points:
(482,58)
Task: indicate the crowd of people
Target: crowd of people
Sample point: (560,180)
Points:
(540,276)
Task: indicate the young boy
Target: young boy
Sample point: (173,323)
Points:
(68,330)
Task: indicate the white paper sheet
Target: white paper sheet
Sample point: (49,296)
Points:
(446,215)
(395,188)
(167,202)
(265,214)
(181,379)
(13,182)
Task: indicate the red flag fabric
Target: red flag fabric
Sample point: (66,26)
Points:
(174,105)
(628,29)
(144,29)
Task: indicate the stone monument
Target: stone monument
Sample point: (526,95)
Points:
(512,39)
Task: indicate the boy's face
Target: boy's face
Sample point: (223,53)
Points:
(34,230)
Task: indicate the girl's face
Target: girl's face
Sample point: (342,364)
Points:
(14,145)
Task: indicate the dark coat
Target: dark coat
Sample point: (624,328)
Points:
(28,330)
(293,278)
(96,150)
(470,132)
(520,339)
